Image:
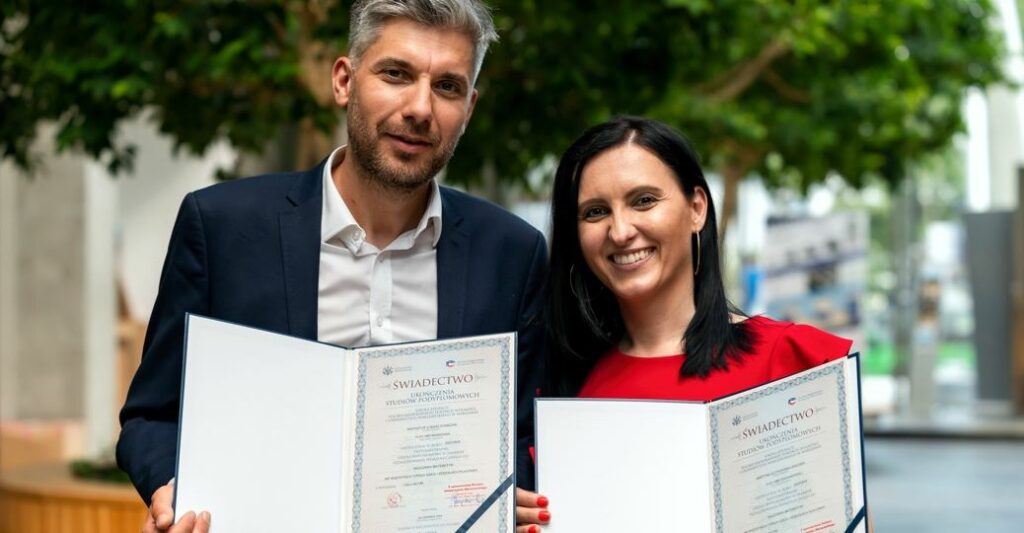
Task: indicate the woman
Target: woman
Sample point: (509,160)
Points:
(636,304)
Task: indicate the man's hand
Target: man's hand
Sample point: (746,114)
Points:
(161,515)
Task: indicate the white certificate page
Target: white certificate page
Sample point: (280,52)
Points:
(261,429)
(434,436)
(623,465)
(781,455)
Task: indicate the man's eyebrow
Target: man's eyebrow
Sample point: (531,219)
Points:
(392,62)
(456,77)
(389,61)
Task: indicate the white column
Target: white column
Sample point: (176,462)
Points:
(1006,114)
(149,201)
(8,292)
(50,220)
(975,148)
(752,217)
(99,308)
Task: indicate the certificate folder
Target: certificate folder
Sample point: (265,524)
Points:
(283,434)
(783,457)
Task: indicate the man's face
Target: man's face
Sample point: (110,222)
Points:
(409,100)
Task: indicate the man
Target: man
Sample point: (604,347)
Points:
(364,249)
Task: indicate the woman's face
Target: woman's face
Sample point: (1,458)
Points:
(635,225)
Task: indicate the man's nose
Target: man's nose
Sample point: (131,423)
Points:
(419,103)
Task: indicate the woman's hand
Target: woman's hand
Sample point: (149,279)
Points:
(531,511)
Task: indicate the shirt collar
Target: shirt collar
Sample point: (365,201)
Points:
(337,222)
(431,219)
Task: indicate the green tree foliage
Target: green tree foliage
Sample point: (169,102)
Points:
(208,70)
(792,89)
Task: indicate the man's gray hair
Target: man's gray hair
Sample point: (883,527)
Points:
(471,17)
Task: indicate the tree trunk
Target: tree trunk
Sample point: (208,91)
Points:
(311,145)
(732,173)
(493,189)
(316,59)
(740,159)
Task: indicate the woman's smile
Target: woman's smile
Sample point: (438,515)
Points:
(632,258)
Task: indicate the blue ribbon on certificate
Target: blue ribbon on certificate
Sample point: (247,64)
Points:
(485,505)
(857,519)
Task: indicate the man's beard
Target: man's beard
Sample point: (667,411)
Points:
(367,151)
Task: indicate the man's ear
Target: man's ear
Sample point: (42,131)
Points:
(472,103)
(469,112)
(341,80)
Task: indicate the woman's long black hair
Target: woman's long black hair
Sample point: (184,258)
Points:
(583,316)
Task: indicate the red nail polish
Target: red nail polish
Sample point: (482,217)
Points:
(544,516)
(542,501)
(534,529)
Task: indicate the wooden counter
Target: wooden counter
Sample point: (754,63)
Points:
(46,499)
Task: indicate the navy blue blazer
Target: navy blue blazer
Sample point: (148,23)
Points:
(248,251)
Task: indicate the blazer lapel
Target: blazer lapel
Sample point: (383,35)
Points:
(452,264)
(300,247)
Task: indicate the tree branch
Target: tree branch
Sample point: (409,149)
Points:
(731,83)
(784,89)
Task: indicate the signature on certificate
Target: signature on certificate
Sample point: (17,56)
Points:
(466,500)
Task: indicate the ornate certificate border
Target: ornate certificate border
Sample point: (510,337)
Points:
(836,370)
(434,347)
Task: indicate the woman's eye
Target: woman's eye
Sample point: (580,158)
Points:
(593,213)
(645,201)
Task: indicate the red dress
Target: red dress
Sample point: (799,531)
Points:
(780,349)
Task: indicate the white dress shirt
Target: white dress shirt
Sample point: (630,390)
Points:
(368,296)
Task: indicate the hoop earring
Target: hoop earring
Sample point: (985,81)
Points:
(696,269)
